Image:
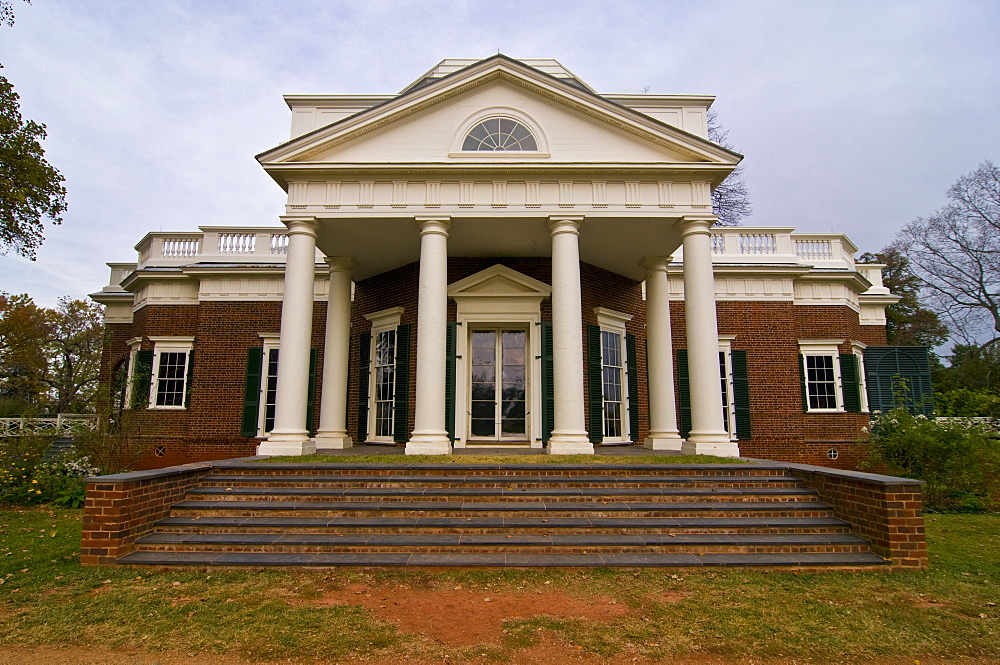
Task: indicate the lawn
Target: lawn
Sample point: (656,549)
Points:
(949,611)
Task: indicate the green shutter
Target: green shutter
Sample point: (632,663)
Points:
(888,366)
(142,376)
(401,408)
(684,393)
(189,379)
(849,381)
(741,393)
(364,375)
(251,391)
(595,386)
(449,379)
(548,392)
(311,394)
(802,383)
(633,387)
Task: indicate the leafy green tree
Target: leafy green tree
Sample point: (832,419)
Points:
(74,337)
(23,330)
(908,322)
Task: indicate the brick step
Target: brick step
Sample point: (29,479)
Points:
(437,494)
(506,525)
(509,481)
(801,560)
(477,543)
(487,509)
(471,470)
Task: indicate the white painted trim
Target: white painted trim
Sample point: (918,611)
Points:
(385,319)
(823,347)
(169,345)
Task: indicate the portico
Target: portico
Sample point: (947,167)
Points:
(481,163)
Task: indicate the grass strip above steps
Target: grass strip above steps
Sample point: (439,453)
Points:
(503,459)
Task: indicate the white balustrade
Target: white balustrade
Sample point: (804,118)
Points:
(814,250)
(718,243)
(279,243)
(59,426)
(180,246)
(237,243)
(757,243)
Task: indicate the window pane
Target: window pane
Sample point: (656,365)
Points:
(170,378)
(499,134)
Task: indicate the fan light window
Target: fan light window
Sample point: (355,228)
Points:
(499,134)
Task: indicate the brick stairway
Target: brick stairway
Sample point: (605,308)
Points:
(501,515)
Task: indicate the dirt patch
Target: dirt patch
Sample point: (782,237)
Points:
(461,617)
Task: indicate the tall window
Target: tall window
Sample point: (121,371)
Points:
(269,388)
(499,133)
(612,370)
(171,368)
(384,374)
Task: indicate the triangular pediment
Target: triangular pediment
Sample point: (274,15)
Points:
(498,280)
(424,125)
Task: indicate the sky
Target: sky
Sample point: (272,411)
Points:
(855,117)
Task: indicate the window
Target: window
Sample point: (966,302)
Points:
(130,372)
(726,385)
(268,383)
(171,372)
(384,380)
(499,133)
(858,351)
(610,379)
(821,375)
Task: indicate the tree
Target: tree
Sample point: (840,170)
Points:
(730,200)
(30,188)
(74,337)
(955,253)
(908,322)
(22,355)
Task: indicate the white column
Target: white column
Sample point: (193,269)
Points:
(290,435)
(430,434)
(332,432)
(659,359)
(708,436)
(569,432)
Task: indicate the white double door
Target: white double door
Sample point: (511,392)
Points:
(498,388)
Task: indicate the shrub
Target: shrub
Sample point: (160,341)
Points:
(958,459)
(967,402)
(114,444)
(27,480)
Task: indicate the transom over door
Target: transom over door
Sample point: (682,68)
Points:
(498,384)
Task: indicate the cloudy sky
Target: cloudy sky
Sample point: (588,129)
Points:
(853,116)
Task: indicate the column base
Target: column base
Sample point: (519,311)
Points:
(663,441)
(287,443)
(429,443)
(569,444)
(710,443)
(332,440)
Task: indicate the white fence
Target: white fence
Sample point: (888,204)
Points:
(59,426)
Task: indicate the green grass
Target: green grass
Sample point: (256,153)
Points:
(48,599)
(506,459)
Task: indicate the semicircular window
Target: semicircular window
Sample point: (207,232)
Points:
(499,134)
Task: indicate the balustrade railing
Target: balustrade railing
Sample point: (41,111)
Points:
(237,243)
(279,243)
(814,250)
(181,246)
(61,425)
(758,243)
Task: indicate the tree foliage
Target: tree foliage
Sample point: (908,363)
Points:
(49,358)
(908,322)
(955,253)
(30,188)
(730,200)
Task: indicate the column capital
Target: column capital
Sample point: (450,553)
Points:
(696,224)
(341,263)
(654,263)
(298,224)
(434,224)
(565,224)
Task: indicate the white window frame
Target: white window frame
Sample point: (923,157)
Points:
(858,349)
(458,140)
(272,341)
(726,384)
(162,345)
(817,348)
(134,345)
(610,321)
(382,321)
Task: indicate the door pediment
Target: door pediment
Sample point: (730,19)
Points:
(499,281)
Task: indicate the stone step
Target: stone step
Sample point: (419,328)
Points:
(572,543)
(509,481)
(799,560)
(510,508)
(353,494)
(622,524)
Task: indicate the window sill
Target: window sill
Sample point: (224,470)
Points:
(500,154)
